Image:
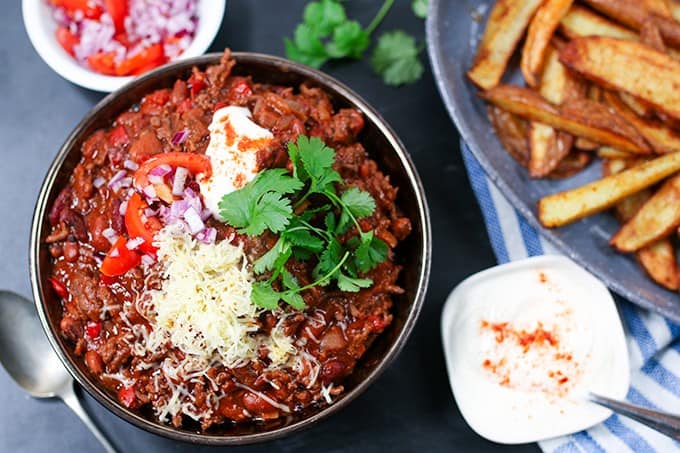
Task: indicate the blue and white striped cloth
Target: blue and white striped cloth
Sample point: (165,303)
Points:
(653,342)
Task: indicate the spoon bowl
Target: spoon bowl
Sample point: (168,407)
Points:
(30,360)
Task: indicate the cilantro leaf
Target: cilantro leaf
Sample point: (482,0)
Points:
(271,212)
(276,180)
(328,260)
(352,284)
(419,8)
(288,280)
(316,157)
(324,16)
(329,222)
(304,239)
(267,261)
(236,207)
(361,204)
(349,40)
(263,295)
(371,252)
(395,58)
(306,47)
(294,299)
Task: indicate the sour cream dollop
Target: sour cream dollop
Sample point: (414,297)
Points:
(235,141)
(525,342)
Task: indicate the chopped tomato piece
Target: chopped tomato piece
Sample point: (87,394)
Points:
(158,97)
(67,40)
(137,226)
(196,83)
(59,288)
(151,56)
(118,10)
(195,163)
(120,259)
(90,9)
(103,62)
(118,136)
(127,396)
(93,329)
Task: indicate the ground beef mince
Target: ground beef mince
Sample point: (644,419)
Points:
(100,318)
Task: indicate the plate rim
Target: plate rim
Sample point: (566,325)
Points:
(436,60)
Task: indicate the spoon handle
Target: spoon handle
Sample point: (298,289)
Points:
(665,423)
(68,395)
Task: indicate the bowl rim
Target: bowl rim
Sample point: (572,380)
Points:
(425,251)
(68,68)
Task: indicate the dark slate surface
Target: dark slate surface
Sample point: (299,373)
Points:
(410,408)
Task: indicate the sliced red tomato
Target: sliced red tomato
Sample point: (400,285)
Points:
(90,9)
(118,10)
(126,395)
(120,259)
(137,226)
(103,62)
(195,163)
(67,40)
(151,56)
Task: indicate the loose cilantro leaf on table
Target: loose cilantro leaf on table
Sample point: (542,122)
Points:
(395,58)
(279,202)
(419,8)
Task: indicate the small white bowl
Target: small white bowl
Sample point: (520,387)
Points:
(551,288)
(41,28)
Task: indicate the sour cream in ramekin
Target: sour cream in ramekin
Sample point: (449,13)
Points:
(524,343)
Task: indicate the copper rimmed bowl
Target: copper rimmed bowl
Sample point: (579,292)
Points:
(414,254)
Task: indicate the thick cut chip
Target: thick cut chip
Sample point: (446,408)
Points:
(547,148)
(572,164)
(655,220)
(565,207)
(512,132)
(507,21)
(662,138)
(628,66)
(580,22)
(541,29)
(607,152)
(579,117)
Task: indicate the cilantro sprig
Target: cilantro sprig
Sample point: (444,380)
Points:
(280,202)
(326,33)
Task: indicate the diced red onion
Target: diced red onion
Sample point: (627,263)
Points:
(110,234)
(150,212)
(207,236)
(205,214)
(161,170)
(134,243)
(122,209)
(130,165)
(125,182)
(180,137)
(193,199)
(117,178)
(155,179)
(147,260)
(114,253)
(179,180)
(150,192)
(178,208)
(193,220)
(98,182)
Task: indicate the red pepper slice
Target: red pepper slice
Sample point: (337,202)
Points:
(151,56)
(67,40)
(127,396)
(120,259)
(103,62)
(59,288)
(93,329)
(195,163)
(117,9)
(137,227)
(89,9)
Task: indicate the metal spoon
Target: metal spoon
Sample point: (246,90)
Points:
(28,357)
(663,422)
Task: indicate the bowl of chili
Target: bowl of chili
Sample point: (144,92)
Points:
(103,44)
(411,254)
